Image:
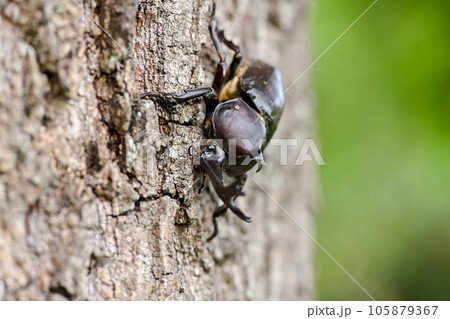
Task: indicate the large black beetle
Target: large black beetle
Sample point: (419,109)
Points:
(243,108)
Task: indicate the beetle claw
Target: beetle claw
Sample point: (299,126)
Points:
(238,212)
(260,160)
(259,166)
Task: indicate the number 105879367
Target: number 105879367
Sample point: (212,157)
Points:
(402,310)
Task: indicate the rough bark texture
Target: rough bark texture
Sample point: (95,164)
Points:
(97,192)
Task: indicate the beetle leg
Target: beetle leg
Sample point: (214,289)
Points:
(209,96)
(236,210)
(223,74)
(237,58)
(220,211)
(195,158)
(211,161)
(203,183)
(228,43)
(227,193)
(217,39)
(237,185)
(213,30)
(222,65)
(178,98)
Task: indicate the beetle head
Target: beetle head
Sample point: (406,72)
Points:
(210,157)
(212,152)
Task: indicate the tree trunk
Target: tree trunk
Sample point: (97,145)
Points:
(98,195)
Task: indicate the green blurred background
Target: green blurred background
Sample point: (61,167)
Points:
(383,101)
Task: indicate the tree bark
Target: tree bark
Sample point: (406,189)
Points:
(97,192)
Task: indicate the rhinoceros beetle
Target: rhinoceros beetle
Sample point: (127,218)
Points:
(243,107)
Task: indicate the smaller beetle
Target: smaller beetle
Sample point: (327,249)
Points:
(243,108)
